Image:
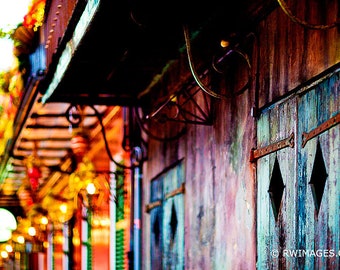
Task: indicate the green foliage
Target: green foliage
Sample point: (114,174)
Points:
(6,34)
(4,81)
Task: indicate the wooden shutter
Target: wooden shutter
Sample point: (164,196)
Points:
(173,219)
(318,179)
(306,220)
(276,174)
(156,218)
(166,210)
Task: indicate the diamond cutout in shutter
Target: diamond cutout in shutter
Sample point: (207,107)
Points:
(173,223)
(156,230)
(276,188)
(318,177)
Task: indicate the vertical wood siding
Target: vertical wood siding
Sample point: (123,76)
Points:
(305,224)
(319,227)
(167,220)
(273,235)
(156,219)
(173,220)
(220,216)
(291,54)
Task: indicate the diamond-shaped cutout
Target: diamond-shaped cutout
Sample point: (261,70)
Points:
(173,223)
(156,230)
(276,188)
(318,177)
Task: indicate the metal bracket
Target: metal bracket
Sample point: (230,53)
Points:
(152,205)
(187,106)
(184,107)
(320,129)
(257,153)
(176,191)
(170,194)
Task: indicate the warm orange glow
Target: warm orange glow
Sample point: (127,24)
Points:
(76,241)
(105,222)
(9,248)
(224,43)
(31,231)
(76,237)
(63,208)
(20,239)
(95,222)
(4,254)
(44,220)
(91,189)
(59,239)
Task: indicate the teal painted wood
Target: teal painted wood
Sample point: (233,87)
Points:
(156,219)
(276,235)
(173,220)
(167,221)
(304,225)
(319,227)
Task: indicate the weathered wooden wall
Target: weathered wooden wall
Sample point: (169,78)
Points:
(290,54)
(220,181)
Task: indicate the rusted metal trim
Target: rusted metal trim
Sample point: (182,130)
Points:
(152,205)
(306,136)
(176,191)
(257,153)
(173,193)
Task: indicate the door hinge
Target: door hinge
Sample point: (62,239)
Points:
(176,191)
(257,153)
(306,136)
(152,205)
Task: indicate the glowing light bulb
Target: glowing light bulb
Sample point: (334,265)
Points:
(63,208)
(4,254)
(91,189)
(224,43)
(9,248)
(21,239)
(32,231)
(44,220)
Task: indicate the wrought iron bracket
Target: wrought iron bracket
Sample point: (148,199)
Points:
(187,106)
(184,107)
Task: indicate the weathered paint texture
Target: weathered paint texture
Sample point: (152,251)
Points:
(305,223)
(319,224)
(229,222)
(167,220)
(274,125)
